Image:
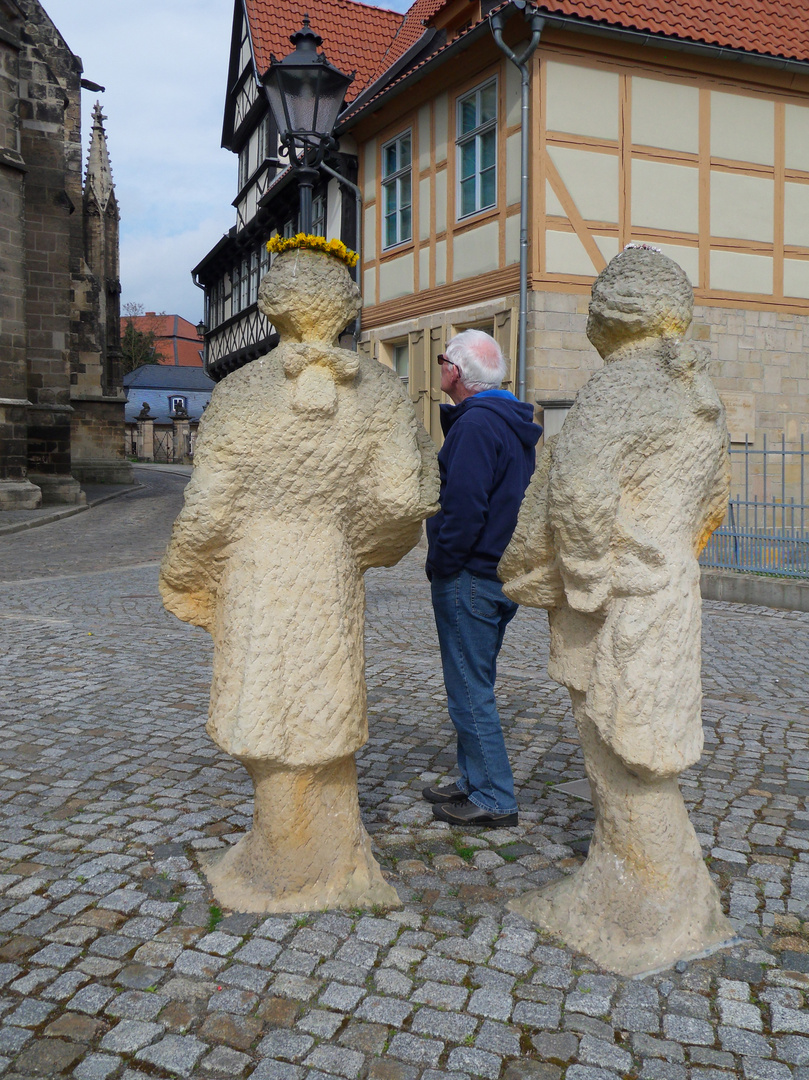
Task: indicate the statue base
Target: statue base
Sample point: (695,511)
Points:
(308,849)
(643,898)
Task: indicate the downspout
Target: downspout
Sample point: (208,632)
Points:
(358,208)
(537,22)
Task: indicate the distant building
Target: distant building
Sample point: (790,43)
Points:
(61,399)
(168,390)
(176,339)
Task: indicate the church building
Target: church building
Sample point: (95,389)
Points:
(61,397)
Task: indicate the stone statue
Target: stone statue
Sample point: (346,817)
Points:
(310,468)
(622,502)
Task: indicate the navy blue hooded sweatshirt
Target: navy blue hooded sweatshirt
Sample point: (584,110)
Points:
(485,463)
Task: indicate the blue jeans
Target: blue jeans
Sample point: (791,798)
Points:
(471,616)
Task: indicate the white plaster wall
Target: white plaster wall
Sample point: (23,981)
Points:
(742,127)
(666,114)
(565,254)
(369,232)
(608,246)
(424,137)
(512,170)
(738,272)
(796,214)
(370,170)
(581,100)
(591,179)
(476,251)
(396,278)
(441,106)
(424,208)
(441,262)
(742,206)
(513,239)
(441,201)
(552,204)
(665,196)
(424,268)
(797,137)
(512,94)
(369,287)
(796,277)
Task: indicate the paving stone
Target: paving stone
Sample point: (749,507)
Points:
(604,1054)
(339,1061)
(415,1050)
(135,1005)
(130,1035)
(368,1039)
(381,1010)
(241,1002)
(237,1031)
(76,1027)
(48,1057)
(177,1053)
(738,1041)
(532,1070)
(453,1027)
(30,1014)
(499,1039)
(96,1067)
(687,1029)
(285,1044)
(258,951)
(278,1012)
(91,999)
(535,1015)
(491,1003)
(440,995)
(338,996)
(277,1070)
(224,1061)
(478,1062)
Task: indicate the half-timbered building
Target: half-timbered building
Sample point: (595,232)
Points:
(685,125)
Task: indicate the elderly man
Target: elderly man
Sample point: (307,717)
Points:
(486,462)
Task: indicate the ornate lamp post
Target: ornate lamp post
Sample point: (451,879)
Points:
(305,93)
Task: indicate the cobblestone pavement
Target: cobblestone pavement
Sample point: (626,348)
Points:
(115,962)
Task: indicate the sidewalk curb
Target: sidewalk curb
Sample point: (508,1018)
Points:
(69,511)
(791,594)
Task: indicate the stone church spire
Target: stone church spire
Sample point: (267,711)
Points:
(98,181)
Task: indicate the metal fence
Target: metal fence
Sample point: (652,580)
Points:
(766,530)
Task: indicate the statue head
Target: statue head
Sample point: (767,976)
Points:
(642,293)
(309,296)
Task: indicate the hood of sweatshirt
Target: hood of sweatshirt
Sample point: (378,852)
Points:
(519,415)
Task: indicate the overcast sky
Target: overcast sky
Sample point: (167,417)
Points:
(164,66)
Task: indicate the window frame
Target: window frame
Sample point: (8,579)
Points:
(393,180)
(476,134)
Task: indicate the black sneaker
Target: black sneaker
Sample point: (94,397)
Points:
(466,813)
(449,793)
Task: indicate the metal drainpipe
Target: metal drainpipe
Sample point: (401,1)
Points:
(358,206)
(498,21)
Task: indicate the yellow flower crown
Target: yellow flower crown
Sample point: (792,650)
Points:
(337,248)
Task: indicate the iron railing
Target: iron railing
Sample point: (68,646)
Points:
(766,530)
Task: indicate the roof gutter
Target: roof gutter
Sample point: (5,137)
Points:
(575,24)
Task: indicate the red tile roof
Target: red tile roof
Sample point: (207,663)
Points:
(355,36)
(776,27)
(411,30)
(176,340)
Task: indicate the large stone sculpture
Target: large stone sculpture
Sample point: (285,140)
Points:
(310,467)
(621,504)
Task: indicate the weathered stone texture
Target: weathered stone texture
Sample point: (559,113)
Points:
(621,504)
(310,468)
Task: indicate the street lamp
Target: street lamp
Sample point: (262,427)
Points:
(305,93)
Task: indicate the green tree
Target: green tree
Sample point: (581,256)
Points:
(138,347)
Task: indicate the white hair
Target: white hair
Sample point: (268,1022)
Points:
(478,358)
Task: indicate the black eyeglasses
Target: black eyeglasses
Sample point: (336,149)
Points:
(444,359)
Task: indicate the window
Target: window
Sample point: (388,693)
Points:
(264,261)
(400,356)
(254,279)
(396,191)
(244,158)
(235,291)
(244,298)
(290,228)
(319,215)
(477,149)
(263,140)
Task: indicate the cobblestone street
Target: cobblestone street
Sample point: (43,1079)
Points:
(116,963)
